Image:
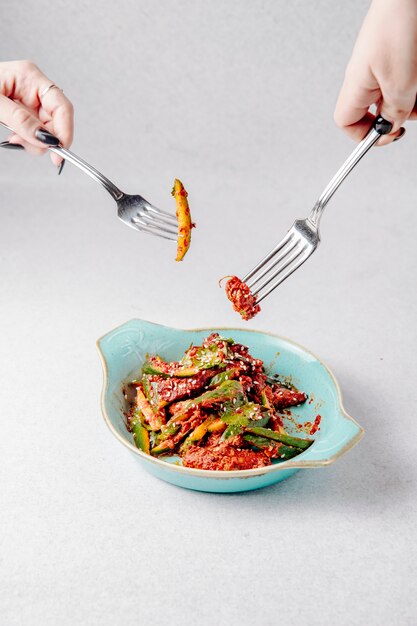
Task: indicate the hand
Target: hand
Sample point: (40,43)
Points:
(381,71)
(26,110)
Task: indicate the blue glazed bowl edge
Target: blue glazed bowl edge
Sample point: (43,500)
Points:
(291,464)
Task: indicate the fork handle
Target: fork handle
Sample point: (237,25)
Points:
(380,127)
(88,169)
(85,167)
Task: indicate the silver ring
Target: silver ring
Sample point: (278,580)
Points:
(45,91)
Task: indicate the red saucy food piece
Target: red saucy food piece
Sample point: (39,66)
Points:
(169,390)
(224,456)
(242,299)
(284,397)
(276,423)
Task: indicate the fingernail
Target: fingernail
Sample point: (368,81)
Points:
(46,137)
(402,133)
(11,146)
(61,167)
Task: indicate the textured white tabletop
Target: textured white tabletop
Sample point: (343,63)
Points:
(86,536)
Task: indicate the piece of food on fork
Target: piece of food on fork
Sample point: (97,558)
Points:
(184,219)
(241,297)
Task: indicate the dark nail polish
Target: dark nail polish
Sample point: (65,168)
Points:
(382,126)
(11,146)
(402,133)
(61,167)
(46,137)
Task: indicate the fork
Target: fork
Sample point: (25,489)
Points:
(303,237)
(133,210)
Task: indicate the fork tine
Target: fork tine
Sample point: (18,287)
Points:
(163,215)
(269,256)
(295,253)
(300,258)
(150,220)
(165,220)
(284,251)
(154,230)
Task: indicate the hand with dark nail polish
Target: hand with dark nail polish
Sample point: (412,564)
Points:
(27,99)
(46,137)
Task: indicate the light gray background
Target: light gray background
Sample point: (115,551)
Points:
(235,98)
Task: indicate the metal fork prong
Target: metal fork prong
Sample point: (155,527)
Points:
(162,226)
(146,228)
(150,220)
(147,220)
(269,256)
(295,253)
(284,251)
(162,214)
(163,219)
(283,275)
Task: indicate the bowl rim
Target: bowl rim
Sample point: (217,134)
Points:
(227,474)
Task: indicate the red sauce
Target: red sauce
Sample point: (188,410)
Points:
(315,427)
(243,301)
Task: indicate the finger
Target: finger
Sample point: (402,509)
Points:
(59,111)
(352,113)
(413,115)
(23,122)
(55,158)
(46,123)
(57,161)
(27,146)
(357,94)
(396,107)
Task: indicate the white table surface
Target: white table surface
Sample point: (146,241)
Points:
(86,536)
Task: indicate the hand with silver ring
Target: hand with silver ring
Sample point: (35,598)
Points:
(36,109)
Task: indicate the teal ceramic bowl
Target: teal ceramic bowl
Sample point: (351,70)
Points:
(123,352)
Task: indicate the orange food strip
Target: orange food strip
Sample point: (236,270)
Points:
(184,219)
